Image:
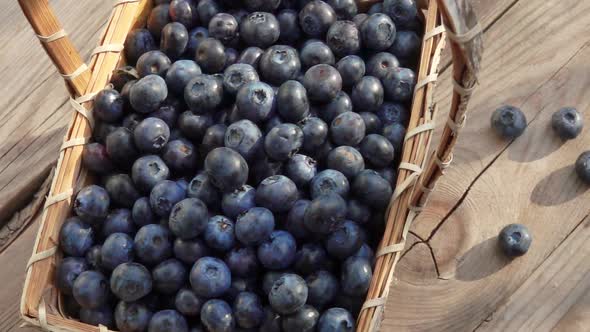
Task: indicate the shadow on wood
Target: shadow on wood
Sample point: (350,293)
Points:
(472,266)
(563,180)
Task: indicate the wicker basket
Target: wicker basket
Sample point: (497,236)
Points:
(419,170)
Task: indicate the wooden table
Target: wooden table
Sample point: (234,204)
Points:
(451,277)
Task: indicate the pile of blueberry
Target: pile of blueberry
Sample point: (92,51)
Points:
(244,167)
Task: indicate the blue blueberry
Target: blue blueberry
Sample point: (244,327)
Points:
(207,9)
(248,310)
(358,212)
(180,155)
(371,189)
(324,213)
(582,167)
(131,281)
(132,316)
(228,169)
(142,213)
(278,251)
(188,303)
(567,123)
(188,218)
(242,262)
(217,316)
(329,181)
(315,53)
(152,244)
(92,204)
(360,18)
(203,93)
(238,201)
(169,276)
(381,63)
(254,226)
(403,12)
(76,237)
(347,129)
(276,193)
(347,160)
(219,233)
(309,258)
(375,8)
(399,84)
(102,130)
(121,190)
(189,251)
(352,69)
(195,37)
(316,17)
(250,56)
(366,252)
(336,320)
(164,195)
(289,26)
(93,257)
(91,289)
(283,141)
(340,104)
(158,18)
(96,158)
(396,134)
(213,138)
(294,221)
(147,171)
(174,39)
(210,56)
(239,285)
(122,75)
(138,42)
(179,74)
(377,150)
(345,9)
(97,316)
(255,101)
(315,133)
(288,294)
(373,124)
(356,276)
(272,321)
(378,32)
(323,82)
(344,38)
(168,111)
(279,63)
(150,136)
(193,126)
(168,320)
(245,138)
(515,240)
(509,122)
(67,271)
(301,169)
(148,93)
(323,287)
(260,29)
(407,47)
(116,249)
(108,105)
(269,278)
(224,27)
(302,320)
(238,75)
(132,120)
(184,12)
(264,168)
(210,277)
(345,240)
(152,63)
(367,94)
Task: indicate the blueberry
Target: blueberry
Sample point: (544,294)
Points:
(264,168)
(148,93)
(206,10)
(262,5)
(336,319)
(238,201)
(390,113)
(238,13)
(260,29)
(358,212)
(239,285)
(315,133)
(367,94)
(343,37)
(245,138)
(378,32)
(515,240)
(195,37)
(152,244)
(168,111)
(189,251)
(96,158)
(373,124)
(254,226)
(132,120)
(131,281)
(92,204)
(356,276)
(138,42)
(210,277)
(345,240)
(227,169)
(255,101)
(242,262)
(289,26)
(381,63)
(210,56)
(279,63)
(219,233)
(302,320)
(164,195)
(187,302)
(395,133)
(67,271)
(147,171)
(351,69)
(315,53)
(403,12)
(76,237)
(288,294)
(583,167)
(316,17)
(184,12)
(322,288)
(203,93)
(509,122)
(366,252)
(179,74)
(340,104)
(294,222)
(168,320)
(276,193)
(377,150)
(269,278)
(122,75)
(142,213)
(567,123)
(213,138)
(309,258)
(250,56)
(238,75)
(272,321)
(121,190)
(324,213)
(152,63)
(375,8)
(97,316)
(180,155)
(157,19)
(102,130)
(347,129)
(188,218)
(278,251)
(150,136)
(174,40)
(388,174)
(283,141)
(301,169)
(360,18)
(194,126)
(216,315)
(292,101)
(169,276)
(223,27)
(372,189)
(248,310)
(329,181)
(108,105)
(132,316)
(406,47)
(399,84)
(117,249)
(91,289)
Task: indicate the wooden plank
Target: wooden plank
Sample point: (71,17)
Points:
(577,319)
(531,182)
(551,291)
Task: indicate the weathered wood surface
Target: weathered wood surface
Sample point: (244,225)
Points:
(450,277)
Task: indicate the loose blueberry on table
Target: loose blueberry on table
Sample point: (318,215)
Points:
(244,161)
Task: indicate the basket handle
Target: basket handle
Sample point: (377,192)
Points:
(57,44)
(465,35)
